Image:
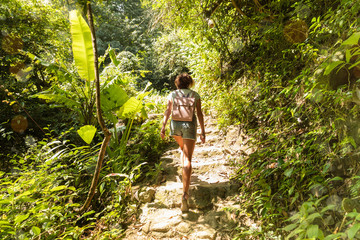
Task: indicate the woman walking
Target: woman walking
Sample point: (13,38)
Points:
(184,132)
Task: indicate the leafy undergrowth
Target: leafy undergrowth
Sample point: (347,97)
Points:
(45,187)
(301,180)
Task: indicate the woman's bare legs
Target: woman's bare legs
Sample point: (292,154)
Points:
(180,142)
(187,147)
(188,150)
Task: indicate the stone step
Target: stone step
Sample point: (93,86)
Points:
(156,223)
(202,195)
(207,151)
(212,171)
(168,195)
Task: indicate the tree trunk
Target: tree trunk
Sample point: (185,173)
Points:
(106,132)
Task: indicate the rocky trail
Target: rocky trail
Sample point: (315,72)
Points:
(214,203)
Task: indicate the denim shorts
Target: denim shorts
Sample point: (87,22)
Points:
(186,130)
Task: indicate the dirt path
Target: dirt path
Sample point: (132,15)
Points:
(213,196)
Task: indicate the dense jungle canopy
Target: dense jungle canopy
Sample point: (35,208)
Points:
(285,73)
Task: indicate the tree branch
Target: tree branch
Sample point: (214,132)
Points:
(258,5)
(213,8)
(238,8)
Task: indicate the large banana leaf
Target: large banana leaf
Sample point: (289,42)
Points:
(58,95)
(113,97)
(130,108)
(134,105)
(82,46)
(53,97)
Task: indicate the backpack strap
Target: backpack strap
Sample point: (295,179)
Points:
(177,93)
(190,94)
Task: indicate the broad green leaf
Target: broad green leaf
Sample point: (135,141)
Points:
(113,57)
(353,230)
(352,40)
(142,95)
(352,214)
(312,231)
(312,216)
(48,96)
(57,155)
(73,205)
(335,236)
(35,230)
(87,133)
(294,198)
(130,108)
(102,188)
(88,213)
(350,140)
(150,105)
(2,223)
(6,183)
(329,207)
(144,114)
(26,199)
(290,227)
(288,172)
(20,218)
(357,64)
(58,188)
(113,97)
(332,66)
(82,46)
(26,193)
(295,232)
(337,178)
(347,55)
(4,201)
(291,190)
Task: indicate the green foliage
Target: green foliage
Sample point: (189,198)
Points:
(129,110)
(39,196)
(33,36)
(307,221)
(124,25)
(313,216)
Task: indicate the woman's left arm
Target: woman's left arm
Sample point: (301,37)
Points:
(166,117)
(201,120)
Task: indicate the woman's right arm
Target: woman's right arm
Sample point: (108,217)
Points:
(166,117)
